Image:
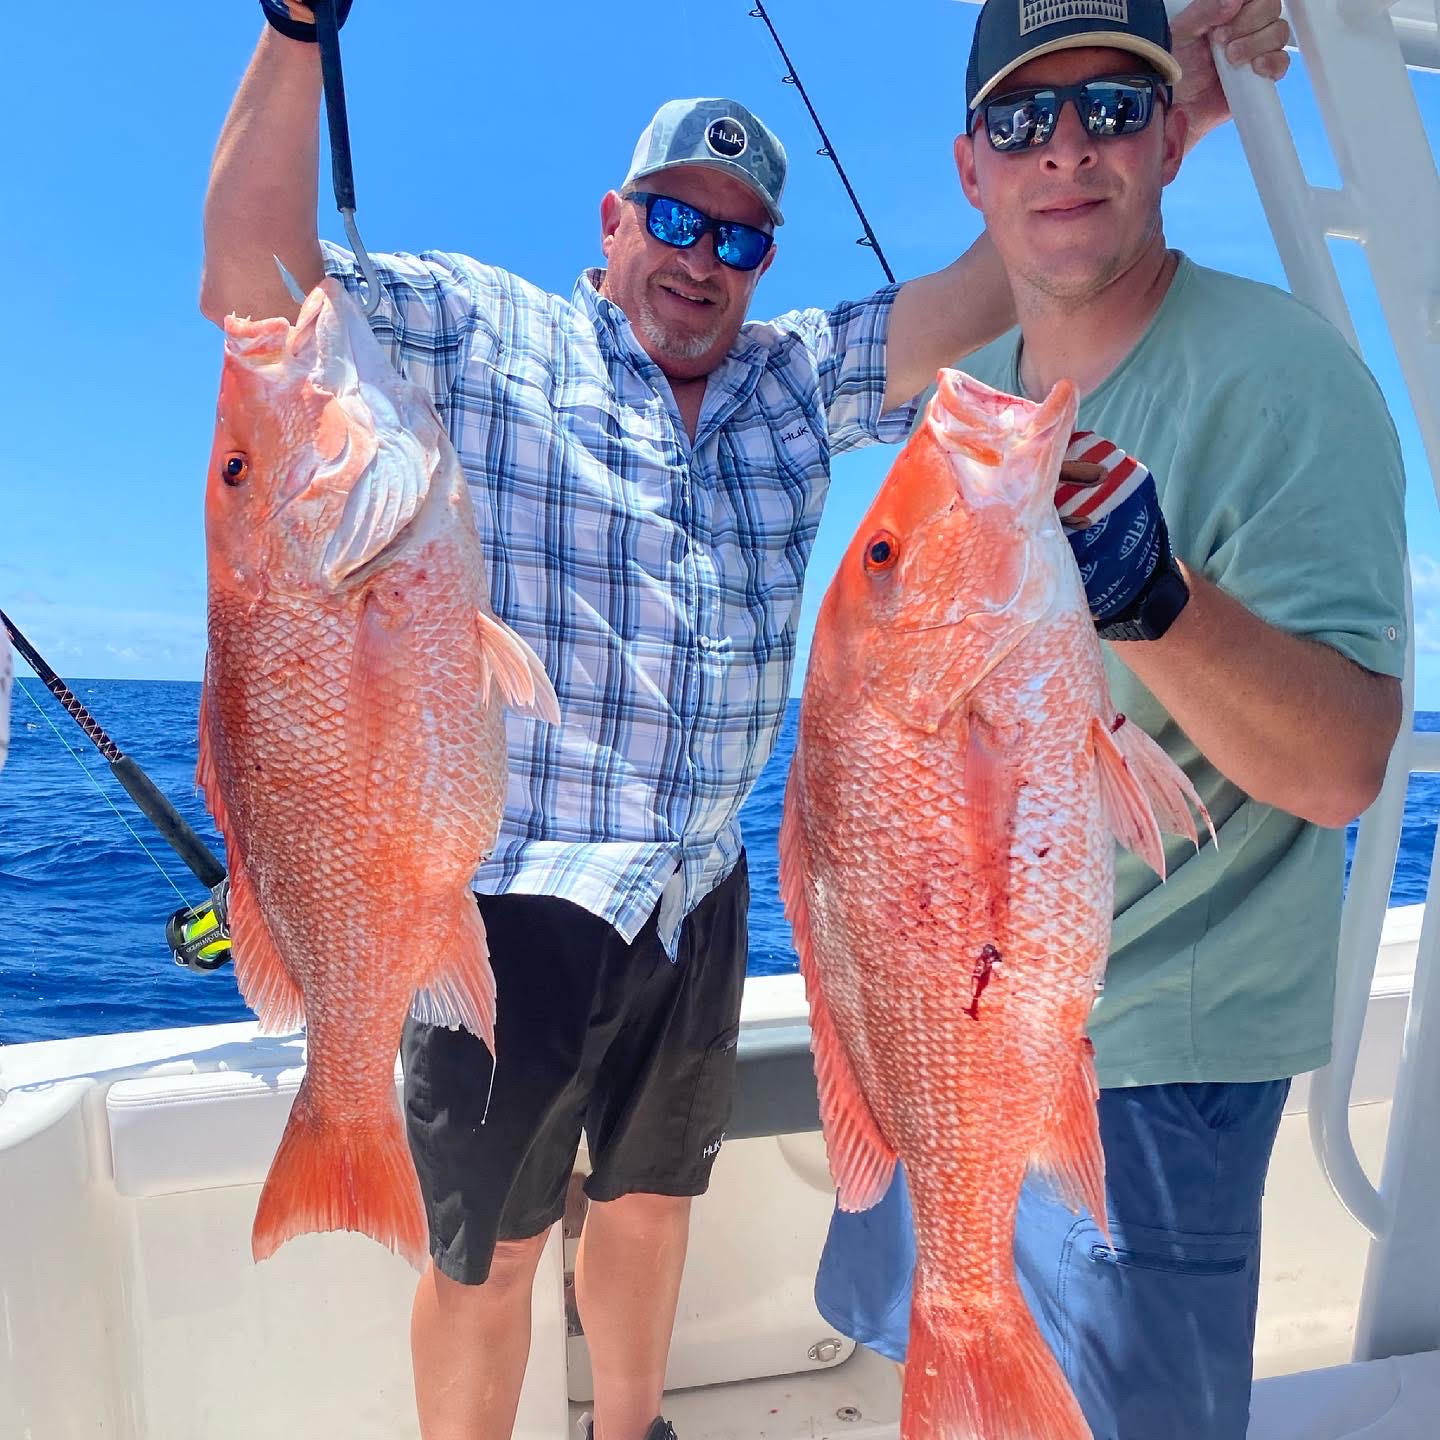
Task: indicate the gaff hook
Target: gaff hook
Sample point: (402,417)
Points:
(327,35)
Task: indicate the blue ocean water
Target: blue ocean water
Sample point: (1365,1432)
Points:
(83,907)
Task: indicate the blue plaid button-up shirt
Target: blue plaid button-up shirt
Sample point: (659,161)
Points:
(658,579)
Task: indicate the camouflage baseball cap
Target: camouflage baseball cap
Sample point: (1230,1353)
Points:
(720,135)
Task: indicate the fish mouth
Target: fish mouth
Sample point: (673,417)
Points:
(1000,446)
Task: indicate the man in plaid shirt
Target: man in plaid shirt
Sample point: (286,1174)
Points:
(648,471)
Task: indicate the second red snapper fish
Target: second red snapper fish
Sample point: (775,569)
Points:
(352,742)
(947,865)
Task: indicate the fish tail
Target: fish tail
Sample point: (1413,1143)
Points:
(331,1176)
(985,1376)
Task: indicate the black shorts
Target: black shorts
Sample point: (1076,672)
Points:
(593,1033)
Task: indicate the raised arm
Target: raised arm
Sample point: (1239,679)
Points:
(1290,721)
(263,192)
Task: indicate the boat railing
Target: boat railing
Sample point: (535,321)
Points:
(1355,54)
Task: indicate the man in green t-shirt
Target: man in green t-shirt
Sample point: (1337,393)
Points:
(1253,596)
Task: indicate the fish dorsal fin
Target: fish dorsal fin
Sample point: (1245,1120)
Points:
(862,1162)
(991,792)
(509,665)
(1143,790)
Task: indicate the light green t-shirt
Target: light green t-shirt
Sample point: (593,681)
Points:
(1279,472)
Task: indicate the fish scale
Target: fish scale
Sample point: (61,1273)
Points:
(947,865)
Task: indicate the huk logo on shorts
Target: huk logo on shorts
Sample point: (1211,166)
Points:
(1037,14)
(727,138)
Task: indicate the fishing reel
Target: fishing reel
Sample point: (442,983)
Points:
(199,935)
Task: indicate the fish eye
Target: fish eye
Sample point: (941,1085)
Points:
(882,552)
(235,468)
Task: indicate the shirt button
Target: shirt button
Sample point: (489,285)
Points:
(705,642)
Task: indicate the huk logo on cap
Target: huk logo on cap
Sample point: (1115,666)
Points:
(1037,14)
(727,138)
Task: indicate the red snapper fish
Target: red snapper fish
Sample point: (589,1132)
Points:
(352,742)
(947,866)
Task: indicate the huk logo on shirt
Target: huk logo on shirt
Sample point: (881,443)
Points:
(727,138)
(1037,14)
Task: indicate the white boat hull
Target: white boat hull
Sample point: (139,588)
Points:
(130,1307)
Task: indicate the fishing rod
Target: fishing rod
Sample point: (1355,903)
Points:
(826,150)
(198,935)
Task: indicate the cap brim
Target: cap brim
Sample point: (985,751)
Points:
(725,167)
(1147,50)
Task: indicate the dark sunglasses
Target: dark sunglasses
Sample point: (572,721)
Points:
(673,222)
(1116,105)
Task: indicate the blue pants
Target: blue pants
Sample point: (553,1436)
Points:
(1156,1338)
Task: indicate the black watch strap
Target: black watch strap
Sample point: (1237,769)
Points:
(1155,608)
(278,14)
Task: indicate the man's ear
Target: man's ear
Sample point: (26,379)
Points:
(612,209)
(965,166)
(1177,129)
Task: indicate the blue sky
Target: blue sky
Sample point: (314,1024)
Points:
(476,130)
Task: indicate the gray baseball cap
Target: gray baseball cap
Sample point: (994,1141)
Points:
(720,135)
(1011,33)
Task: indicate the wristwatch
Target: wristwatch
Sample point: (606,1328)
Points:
(1154,609)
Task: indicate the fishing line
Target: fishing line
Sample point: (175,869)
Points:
(100,789)
(198,935)
(827,150)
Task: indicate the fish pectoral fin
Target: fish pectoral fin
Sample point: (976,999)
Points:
(1124,801)
(991,786)
(862,1162)
(508,664)
(460,990)
(1070,1156)
(379,655)
(266,984)
(1172,797)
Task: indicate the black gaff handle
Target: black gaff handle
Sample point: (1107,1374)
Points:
(327,36)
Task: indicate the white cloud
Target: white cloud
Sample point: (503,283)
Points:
(97,641)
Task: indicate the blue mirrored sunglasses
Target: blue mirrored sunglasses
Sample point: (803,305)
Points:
(1110,107)
(673,222)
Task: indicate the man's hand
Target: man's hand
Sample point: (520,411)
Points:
(1112,519)
(1252,33)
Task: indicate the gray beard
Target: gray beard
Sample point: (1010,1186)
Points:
(683,345)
